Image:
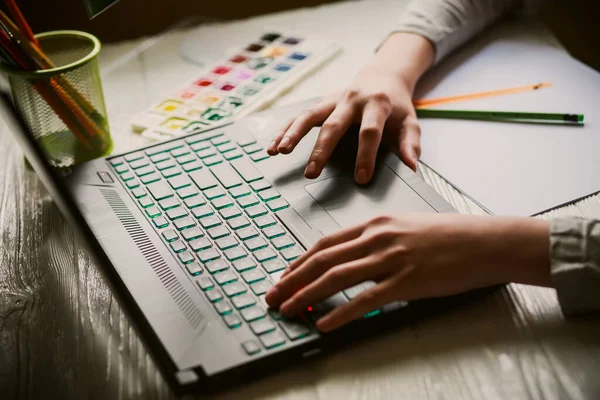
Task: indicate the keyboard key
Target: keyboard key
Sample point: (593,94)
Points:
(170,235)
(266,254)
(192,233)
(245,141)
(144,170)
(234,289)
(153,177)
(232,321)
(222,202)
(153,212)
(184,223)
(180,182)
(251,347)
(282,242)
(212,160)
(160,222)
(138,193)
(244,264)
(208,255)
(200,146)
(214,295)
(164,165)
(238,223)
(205,283)
(294,329)
(220,140)
(243,301)
(209,222)
(160,157)
(269,194)
(115,162)
(230,212)
(226,175)
(274,265)
(146,202)
(247,201)
(171,172)
(176,213)
(246,233)
(291,253)
(277,204)
(121,169)
(169,203)
(247,170)
(182,151)
(262,326)
(265,221)
(273,231)
(253,313)
(192,166)
(239,191)
(186,159)
(186,257)
(199,244)
(163,148)
(224,148)
(256,211)
(225,277)
(132,184)
(127,176)
(223,307)
(202,212)
(260,185)
(261,287)
(202,136)
(353,291)
(226,243)
(139,164)
(214,193)
(253,275)
(256,244)
(186,192)
(194,202)
(177,246)
(235,253)
(233,155)
(218,232)
(134,156)
(208,152)
(193,268)
(159,190)
(204,179)
(252,148)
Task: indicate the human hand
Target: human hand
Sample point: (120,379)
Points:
(413,256)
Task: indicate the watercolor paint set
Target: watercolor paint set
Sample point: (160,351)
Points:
(244,80)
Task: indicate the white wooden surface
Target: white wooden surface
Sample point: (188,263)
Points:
(63,336)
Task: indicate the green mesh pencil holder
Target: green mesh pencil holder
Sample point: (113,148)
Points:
(64,106)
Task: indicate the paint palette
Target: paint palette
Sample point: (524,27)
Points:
(245,80)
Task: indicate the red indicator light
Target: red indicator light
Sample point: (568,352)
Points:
(309,308)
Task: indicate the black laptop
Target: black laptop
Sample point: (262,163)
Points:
(192,232)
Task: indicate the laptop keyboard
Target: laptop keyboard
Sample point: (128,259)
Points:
(215,211)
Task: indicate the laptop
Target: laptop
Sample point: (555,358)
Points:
(191,233)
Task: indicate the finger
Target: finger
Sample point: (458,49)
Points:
(331,132)
(383,293)
(335,279)
(312,117)
(314,267)
(272,149)
(410,142)
(369,138)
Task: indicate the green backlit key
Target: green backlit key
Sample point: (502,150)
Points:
(260,185)
(234,289)
(180,182)
(223,307)
(171,172)
(193,166)
(238,223)
(169,203)
(253,313)
(224,148)
(273,231)
(255,244)
(244,264)
(200,243)
(217,265)
(222,202)
(153,177)
(177,246)
(253,275)
(291,253)
(194,202)
(251,347)
(246,233)
(233,155)
(144,170)
(214,295)
(282,242)
(138,193)
(159,157)
(261,155)
(256,211)
(170,235)
(225,278)
(274,265)
(266,254)
(277,204)
(192,233)
(164,165)
(160,222)
(235,253)
(269,194)
(272,339)
(239,191)
(232,321)
(201,212)
(193,268)
(214,193)
(243,301)
(230,212)
(262,326)
(212,160)
(226,242)
(265,221)
(205,283)
(209,222)
(184,223)
(186,192)
(208,152)
(176,213)
(218,232)
(261,287)
(185,257)
(146,202)
(186,159)
(247,201)
(153,212)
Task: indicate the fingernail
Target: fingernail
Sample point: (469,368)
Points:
(361,176)
(272,149)
(311,169)
(285,143)
(271,295)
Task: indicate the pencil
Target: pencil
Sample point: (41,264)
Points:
(499,115)
(479,95)
(21,21)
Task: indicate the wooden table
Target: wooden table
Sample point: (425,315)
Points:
(62,335)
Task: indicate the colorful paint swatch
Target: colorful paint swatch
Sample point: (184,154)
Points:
(195,111)
(168,106)
(188,93)
(292,41)
(270,37)
(175,123)
(264,78)
(259,62)
(227,87)
(210,99)
(254,47)
(283,67)
(244,74)
(272,51)
(298,56)
(215,114)
(204,82)
(238,59)
(231,103)
(221,70)
(250,91)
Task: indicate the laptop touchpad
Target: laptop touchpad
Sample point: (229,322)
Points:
(349,204)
